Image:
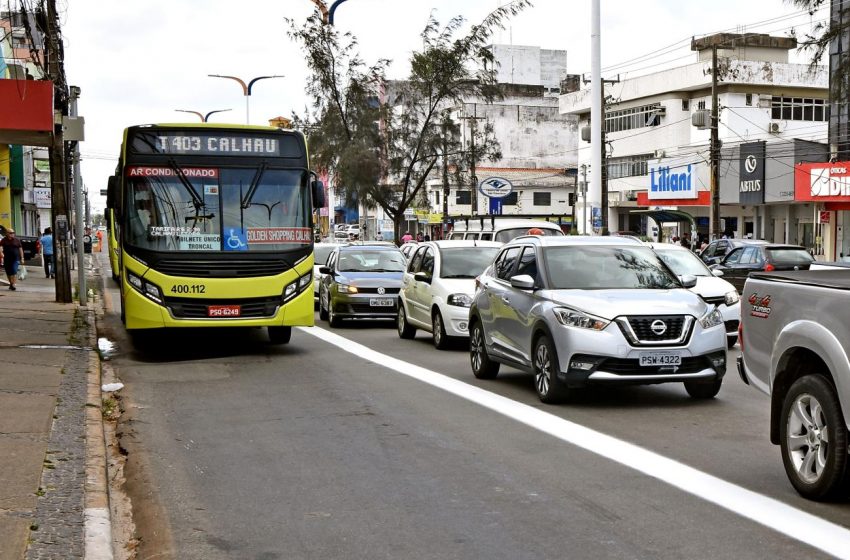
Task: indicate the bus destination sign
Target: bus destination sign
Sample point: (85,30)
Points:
(214,143)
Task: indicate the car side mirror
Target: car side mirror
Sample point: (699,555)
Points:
(324,270)
(524,282)
(422,277)
(717,272)
(688,281)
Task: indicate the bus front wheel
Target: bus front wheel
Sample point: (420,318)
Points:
(280,335)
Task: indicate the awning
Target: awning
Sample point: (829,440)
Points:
(662,216)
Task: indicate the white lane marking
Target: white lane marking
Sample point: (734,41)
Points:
(773,514)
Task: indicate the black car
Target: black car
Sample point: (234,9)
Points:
(719,248)
(738,264)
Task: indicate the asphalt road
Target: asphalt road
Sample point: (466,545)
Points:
(311,451)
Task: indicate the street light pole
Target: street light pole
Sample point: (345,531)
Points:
(204,118)
(246,89)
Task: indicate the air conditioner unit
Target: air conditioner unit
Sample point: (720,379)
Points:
(585,133)
(773,128)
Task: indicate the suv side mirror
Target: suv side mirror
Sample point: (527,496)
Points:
(526,282)
(688,281)
(324,270)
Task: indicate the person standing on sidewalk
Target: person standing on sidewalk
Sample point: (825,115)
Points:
(47,252)
(13,256)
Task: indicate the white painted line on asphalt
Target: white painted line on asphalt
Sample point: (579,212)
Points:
(773,514)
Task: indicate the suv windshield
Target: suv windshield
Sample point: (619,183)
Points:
(683,262)
(365,260)
(466,262)
(216,209)
(605,267)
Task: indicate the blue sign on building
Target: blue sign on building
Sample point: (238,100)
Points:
(596,216)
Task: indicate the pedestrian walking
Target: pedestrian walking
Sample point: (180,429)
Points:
(379,236)
(99,236)
(419,237)
(406,237)
(47,253)
(13,256)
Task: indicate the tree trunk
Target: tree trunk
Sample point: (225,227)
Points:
(398,231)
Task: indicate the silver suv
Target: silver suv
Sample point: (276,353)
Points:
(576,311)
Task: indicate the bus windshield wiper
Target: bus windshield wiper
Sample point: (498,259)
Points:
(196,200)
(255,182)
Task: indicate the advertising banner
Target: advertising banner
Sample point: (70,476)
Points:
(676,179)
(751,184)
(822,182)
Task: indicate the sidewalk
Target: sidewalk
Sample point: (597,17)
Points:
(53,501)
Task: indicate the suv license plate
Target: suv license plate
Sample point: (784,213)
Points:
(381,302)
(224,311)
(660,359)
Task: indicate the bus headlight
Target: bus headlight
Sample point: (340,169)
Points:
(148,289)
(297,286)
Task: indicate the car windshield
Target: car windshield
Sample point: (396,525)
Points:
(789,256)
(465,262)
(365,260)
(683,262)
(606,267)
(321,253)
(216,209)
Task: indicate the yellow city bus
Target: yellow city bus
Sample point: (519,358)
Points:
(214,228)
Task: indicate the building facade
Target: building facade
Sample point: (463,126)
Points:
(773,115)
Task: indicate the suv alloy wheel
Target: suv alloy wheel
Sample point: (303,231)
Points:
(482,366)
(549,389)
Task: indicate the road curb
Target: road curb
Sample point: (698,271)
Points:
(98,524)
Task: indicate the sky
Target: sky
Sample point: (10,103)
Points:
(137,62)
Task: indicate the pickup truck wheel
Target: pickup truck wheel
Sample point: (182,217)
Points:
(814,439)
(405,329)
(482,366)
(549,389)
(703,389)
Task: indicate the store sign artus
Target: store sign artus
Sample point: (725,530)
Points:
(751,173)
(822,182)
(495,187)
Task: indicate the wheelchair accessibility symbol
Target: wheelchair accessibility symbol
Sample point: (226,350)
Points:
(236,240)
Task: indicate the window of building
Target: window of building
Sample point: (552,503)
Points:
(463,197)
(629,166)
(748,100)
(686,104)
(510,200)
(701,105)
(437,199)
(542,199)
(799,109)
(636,117)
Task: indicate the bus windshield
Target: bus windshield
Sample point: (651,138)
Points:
(217,209)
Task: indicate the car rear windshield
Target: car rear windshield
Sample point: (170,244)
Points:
(789,256)
(466,262)
(606,268)
(371,261)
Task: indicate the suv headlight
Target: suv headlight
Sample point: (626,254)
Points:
(711,319)
(732,297)
(460,300)
(574,318)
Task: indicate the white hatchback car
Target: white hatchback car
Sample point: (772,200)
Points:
(438,285)
(710,287)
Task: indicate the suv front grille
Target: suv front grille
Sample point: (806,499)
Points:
(622,366)
(656,330)
(222,268)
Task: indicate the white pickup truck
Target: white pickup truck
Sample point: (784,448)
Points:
(794,341)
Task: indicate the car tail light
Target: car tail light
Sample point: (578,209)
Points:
(741,335)
(769,267)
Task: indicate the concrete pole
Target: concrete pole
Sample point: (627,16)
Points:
(595,192)
(78,207)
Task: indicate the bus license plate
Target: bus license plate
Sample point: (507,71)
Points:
(381,302)
(660,359)
(224,311)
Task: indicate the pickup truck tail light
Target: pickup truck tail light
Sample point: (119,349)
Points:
(769,267)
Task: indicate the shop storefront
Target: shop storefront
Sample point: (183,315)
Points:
(677,184)
(825,187)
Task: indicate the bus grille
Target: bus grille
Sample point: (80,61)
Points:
(222,269)
(251,308)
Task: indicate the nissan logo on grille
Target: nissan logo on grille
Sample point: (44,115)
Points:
(659,327)
(382,291)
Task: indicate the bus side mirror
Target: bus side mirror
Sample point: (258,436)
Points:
(318,188)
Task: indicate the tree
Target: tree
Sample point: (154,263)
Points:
(381,140)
